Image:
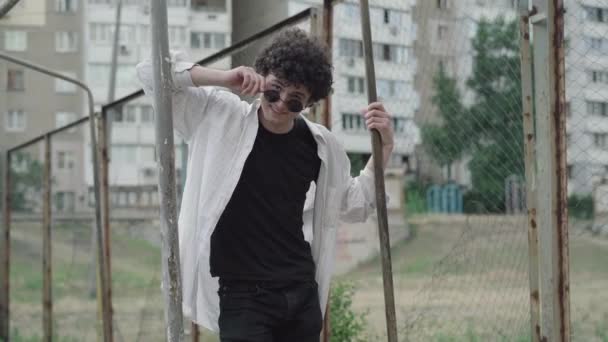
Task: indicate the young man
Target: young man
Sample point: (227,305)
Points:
(261,180)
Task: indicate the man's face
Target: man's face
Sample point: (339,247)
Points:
(282,102)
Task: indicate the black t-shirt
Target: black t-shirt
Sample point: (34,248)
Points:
(259,235)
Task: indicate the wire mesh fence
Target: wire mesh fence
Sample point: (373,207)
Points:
(586,37)
(449,72)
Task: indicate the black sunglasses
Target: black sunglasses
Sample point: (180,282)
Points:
(293,105)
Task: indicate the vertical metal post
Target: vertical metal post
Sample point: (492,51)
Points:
(92,132)
(327,34)
(102,142)
(47,296)
(385,246)
(552,182)
(316,30)
(530,166)
(195,332)
(166,186)
(6,251)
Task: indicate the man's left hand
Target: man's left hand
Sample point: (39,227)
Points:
(377,117)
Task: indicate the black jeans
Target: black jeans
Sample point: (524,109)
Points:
(269,311)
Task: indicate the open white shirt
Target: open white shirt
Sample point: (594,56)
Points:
(220,130)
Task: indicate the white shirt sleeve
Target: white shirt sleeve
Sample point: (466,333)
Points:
(189,102)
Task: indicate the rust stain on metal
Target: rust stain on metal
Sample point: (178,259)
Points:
(530,137)
(534,295)
(533,223)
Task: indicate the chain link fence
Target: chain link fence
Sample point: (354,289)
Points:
(449,72)
(586,37)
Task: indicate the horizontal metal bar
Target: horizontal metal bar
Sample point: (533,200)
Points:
(296,18)
(50,133)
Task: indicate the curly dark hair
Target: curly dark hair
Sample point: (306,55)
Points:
(295,57)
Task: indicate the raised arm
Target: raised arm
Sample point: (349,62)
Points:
(195,90)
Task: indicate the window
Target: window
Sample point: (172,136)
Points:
(390,53)
(569,171)
(207,40)
(596,14)
(600,140)
(208,5)
(356,85)
(64,118)
(65,201)
(596,44)
(124,153)
(64,87)
(15,40)
(442,31)
(177,35)
(15,80)
(219,40)
(66,5)
(442,4)
(102,33)
(66,41)
(386,16)
(129,113)
(598,76)
(353,122)
(147,154)
(351,48)
(65,160)
(147,114)
(597,108)
(399,124)
(15,121)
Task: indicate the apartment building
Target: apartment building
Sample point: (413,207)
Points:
(198,27)
(393,34)
(586,29)
(445,31)
(49,33)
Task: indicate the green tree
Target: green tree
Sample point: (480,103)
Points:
(490,129)
(447,141)
(26,178)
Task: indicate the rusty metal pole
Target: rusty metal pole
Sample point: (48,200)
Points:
(530,166)
(195,332)
(385,245)
(102,143)
(47,260)
(92,131)
(5,253)
(549,73)
(327,35)
(172,286)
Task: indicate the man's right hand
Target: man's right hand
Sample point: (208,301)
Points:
(245,81)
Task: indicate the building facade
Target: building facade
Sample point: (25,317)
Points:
(48,33)
(586,29)
(198,27)
(393,34)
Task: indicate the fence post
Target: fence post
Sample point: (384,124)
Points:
(377,152)
(47,260)
(552,183)
(166,186)
(530,167)
(102,143)
(5,252)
